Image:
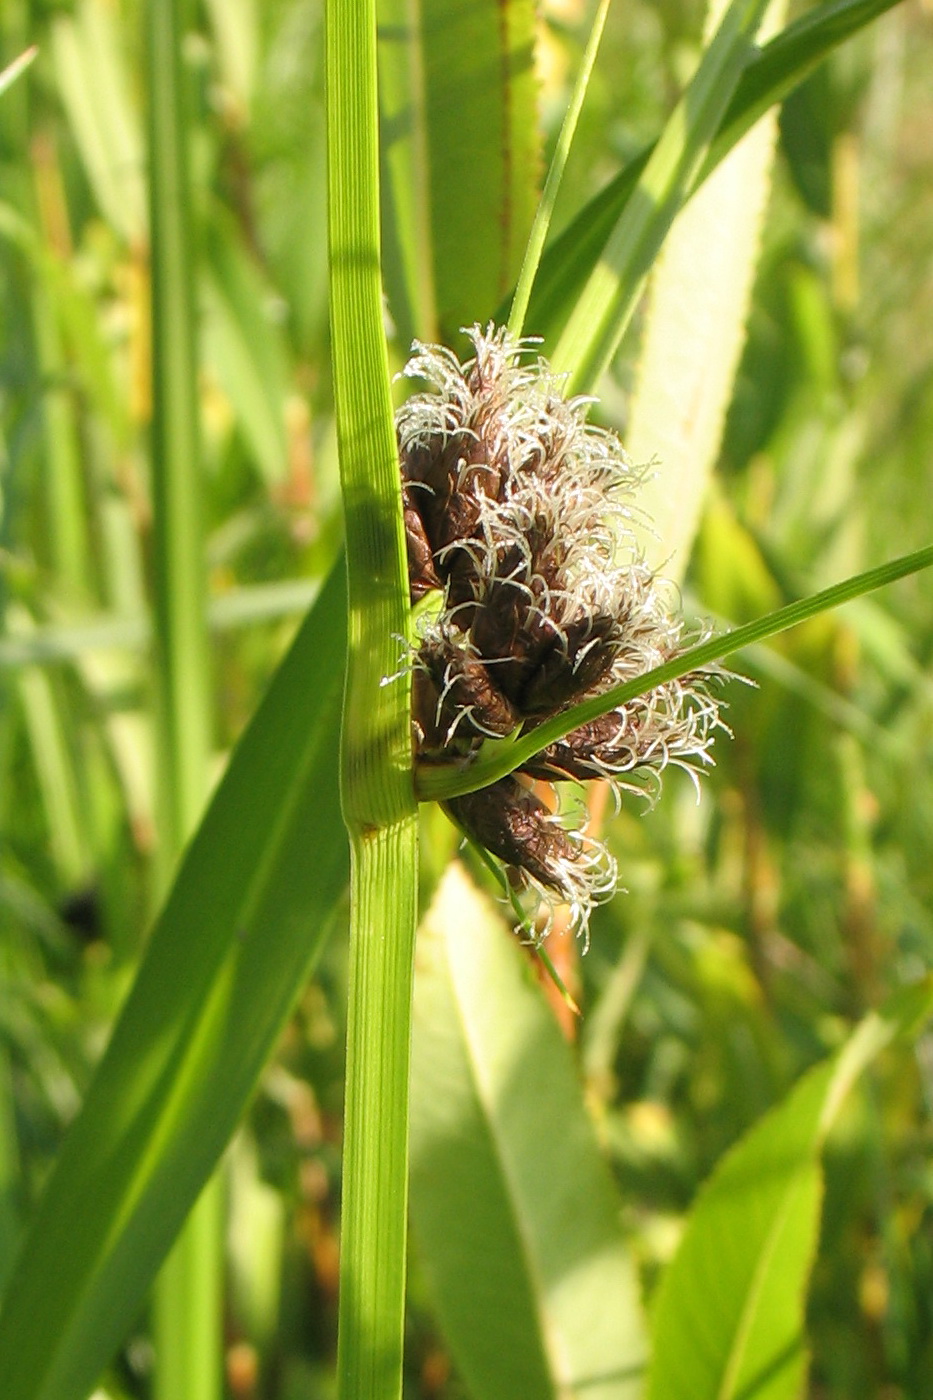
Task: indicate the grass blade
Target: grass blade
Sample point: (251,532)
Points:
(244,349)
(542,220)
(469,135)
(94,86)
(18,66)
(769,76)
(728,1322)
(602,311)
(516,1218)
(66,503)
(501,756)
(54,764)
(408,255)
(694,329)
(240,931)
(179,569)
(238,607)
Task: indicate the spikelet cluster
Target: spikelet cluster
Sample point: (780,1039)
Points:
(517,513)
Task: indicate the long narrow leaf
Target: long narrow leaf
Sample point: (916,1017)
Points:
(501,756)
(769,76)
(694,329)
(244,348)
(54,765)
(179,568)
(240,607)
(245,920)
(728,1323)
(18,66)
(188,1299)
(603,309)
(95,88)
(408,254)
(512,1203)
(542,220)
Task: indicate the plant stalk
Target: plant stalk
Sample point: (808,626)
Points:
(376,763)
(187,1316)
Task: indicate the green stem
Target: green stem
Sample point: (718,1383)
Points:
(188,1302)
(66,506)
(377,789)
(189,1290)
(499,757)
(179,576)
(375,1150)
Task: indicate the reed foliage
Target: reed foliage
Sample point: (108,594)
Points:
(205,666)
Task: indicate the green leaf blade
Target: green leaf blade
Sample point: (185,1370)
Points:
(542,219)
(92,78)
(499,757)
(245,350)
(512,1204)
(768,77)
(246,918)
(697,304)
(597,322)
(728,1320)
(759,1213)
(480,99)
(19,65)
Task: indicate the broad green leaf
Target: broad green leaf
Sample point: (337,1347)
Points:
(461,152)
(728,1321)
(513,1208)
(698,298)
(251,905)
(768,77)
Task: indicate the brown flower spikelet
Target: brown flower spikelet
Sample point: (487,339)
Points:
(517,514)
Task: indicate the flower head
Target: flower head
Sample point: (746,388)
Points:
(517,514)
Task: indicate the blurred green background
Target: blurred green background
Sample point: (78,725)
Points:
(757,924)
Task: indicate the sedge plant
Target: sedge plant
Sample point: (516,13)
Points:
(248,911)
